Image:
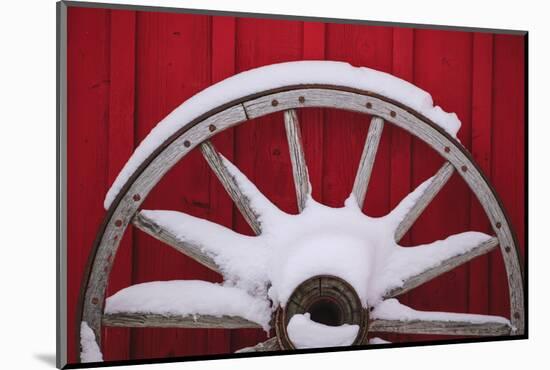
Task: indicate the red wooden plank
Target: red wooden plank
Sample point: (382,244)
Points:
(261,149)
(401,141)
(442,66)
(482,78)
(221,206)
(87,157)
(116,341)
(312,120)
(173,63)
(345,132)
(508,150)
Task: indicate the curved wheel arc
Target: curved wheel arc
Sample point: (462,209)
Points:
(123,207)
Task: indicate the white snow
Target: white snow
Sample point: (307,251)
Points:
(392,309)
(321,240)
(377,340)
(90,351)
(240,257)
(279,75)
(305,333)
(189,297)
(403,263)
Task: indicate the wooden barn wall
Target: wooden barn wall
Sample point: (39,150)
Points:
(127,70)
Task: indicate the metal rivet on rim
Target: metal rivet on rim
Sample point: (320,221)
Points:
(301,99)
(212,128)
(498,225)
(95,300)
(393,114)
(447,149)
(464,168)
(507,249)
(118,223)
(136,197)
(274,102)
(369,105)
(187,143)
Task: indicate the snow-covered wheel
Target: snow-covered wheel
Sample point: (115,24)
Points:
(350,286)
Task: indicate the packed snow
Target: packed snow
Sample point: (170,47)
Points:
(188,298)
(306,333)
(89,350)
(279,75)
(392,309)
(377,340)
(343,242)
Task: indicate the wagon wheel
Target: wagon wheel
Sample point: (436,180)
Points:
(331,298)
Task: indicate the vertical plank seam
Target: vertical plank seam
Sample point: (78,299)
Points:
(492,169)
(134,134)
(107,119)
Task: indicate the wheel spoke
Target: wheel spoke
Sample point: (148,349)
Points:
(420,203)
(142,320)
(440,327)
(216,162)
(390,316)
(414,266)
(366,163)
(297,158)
(186,304)
(192,250)
(269,345)
(204,241)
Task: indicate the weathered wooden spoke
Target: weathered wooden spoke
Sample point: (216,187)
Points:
(297,158)
(271,344)
(430,270)
(436,184)
(440,327)
(390,316)
(190,249)
(366,163)
(228,181)
(142,320)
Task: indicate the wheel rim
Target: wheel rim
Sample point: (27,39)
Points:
(198,131)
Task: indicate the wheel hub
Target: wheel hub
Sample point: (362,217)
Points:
(329,300)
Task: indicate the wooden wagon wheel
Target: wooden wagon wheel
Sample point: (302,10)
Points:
(125,210)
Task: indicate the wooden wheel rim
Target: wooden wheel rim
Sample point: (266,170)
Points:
(147,175)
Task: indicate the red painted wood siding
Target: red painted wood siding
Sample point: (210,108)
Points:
(127,70)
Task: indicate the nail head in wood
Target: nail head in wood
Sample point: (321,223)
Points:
(212,128)
(498,225)
(136,197)
(187,143)
(516,315)
(507,249)
(302,99)
(464,168)
(392,113)
(95,300)
(369,105)
(447,149)
(118,223)
(274,102)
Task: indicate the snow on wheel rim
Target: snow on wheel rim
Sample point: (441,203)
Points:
(124,208)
